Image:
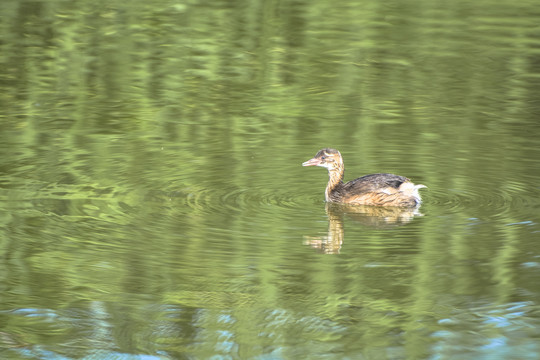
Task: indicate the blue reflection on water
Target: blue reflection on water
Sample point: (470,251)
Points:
(39,353)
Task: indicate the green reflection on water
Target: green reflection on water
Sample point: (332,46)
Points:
(153,202)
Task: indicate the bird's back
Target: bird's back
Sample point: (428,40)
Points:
(377,189)
(374,182)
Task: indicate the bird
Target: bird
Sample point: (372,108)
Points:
(373,189)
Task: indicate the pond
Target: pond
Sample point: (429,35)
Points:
(153,203)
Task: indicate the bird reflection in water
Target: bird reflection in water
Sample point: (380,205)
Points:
(373,216)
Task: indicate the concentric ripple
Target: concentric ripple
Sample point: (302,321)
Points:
(471,200)
(508,200)
(238,199)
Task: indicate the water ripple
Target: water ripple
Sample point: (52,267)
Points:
(235,199)
(505,201)
(508,200)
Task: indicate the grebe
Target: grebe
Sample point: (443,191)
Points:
(374,189)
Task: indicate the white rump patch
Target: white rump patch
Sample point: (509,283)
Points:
(411,189)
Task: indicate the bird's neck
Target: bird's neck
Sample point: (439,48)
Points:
(334,181)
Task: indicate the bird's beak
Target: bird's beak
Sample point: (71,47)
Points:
(312,162)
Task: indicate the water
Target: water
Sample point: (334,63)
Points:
(153,204)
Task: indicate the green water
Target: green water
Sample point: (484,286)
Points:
(153,204)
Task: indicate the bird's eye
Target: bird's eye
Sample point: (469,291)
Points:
(324,157)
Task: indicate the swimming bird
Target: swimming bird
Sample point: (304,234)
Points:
(374,189)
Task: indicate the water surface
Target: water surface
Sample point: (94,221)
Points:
(153,204)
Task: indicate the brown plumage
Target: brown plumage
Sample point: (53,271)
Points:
(374,189)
